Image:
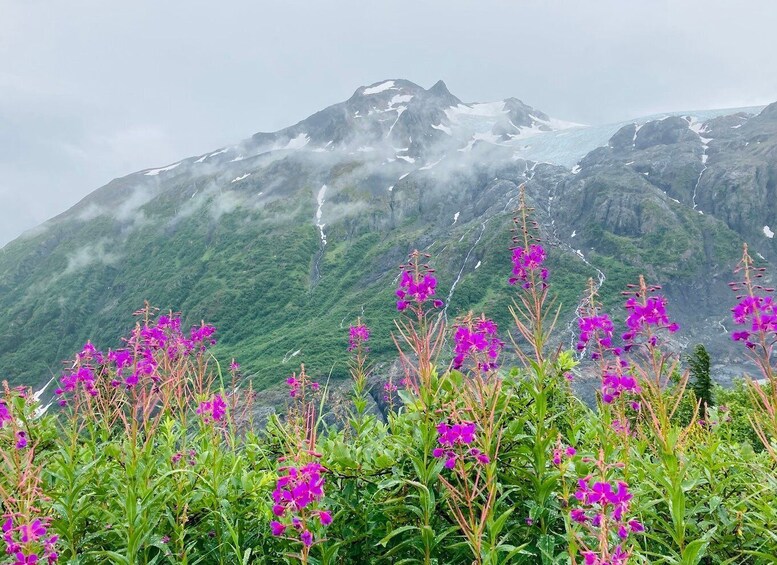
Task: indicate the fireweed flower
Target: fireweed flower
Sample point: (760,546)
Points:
(138,363)
(597,330)
(389,389)
(561,452)
(474,338)
(597,327)
(298,384)
(417,284)
(527,266)
(21,440)
(28,542)
(758,315)
(5,414)
(602,516)
(756,310)
(646,314)
(616,382)
(296,501)
(213,410)
(358,335)
(454,440)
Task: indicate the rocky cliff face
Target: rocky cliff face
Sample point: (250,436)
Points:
(285,238)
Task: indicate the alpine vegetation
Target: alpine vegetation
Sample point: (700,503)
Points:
(151,452)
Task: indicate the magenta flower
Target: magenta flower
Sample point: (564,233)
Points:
(277,528)
(213,410)
(417,285)
(21,440)
(604,505)
(389,388)
(418,289)
(616,383)
(31,545)
(475,338)
(306,537)
(560,453)
(644,317)
(595,327)
(32,532)
(578,515)
(358,336)
(22,559)
(758,315)
(295,496)
(5,414)
(454,441)
(203,334)
(527,266)
(479,456)
(298,383)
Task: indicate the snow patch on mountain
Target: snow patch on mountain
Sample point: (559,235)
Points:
(479,109)
(443,128)
(241,177)
(378,88)
(298,142)
(154,172)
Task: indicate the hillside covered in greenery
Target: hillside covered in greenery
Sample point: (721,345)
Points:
(284,238)
(153,455)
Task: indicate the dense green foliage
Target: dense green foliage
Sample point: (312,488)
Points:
(171,469)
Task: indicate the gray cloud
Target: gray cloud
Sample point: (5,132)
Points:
(92,90)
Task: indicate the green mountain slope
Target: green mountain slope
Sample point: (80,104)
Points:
(249,240)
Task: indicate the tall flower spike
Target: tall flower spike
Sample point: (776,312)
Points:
(756,314)
(477,340)
(528,254)
(417,284)
(646,316)
(359,334)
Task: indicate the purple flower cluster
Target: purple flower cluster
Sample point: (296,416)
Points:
(758,314)
(138,362)
(644,316)
(213,410)
(28,543)
(615,377)
(416,289)
(479,337)
(604,507)
(5,414)
(296,491)
(358,335)
(455,441)
(389,388)
(616,382)
(191,459)
(527,265)
(560,453)
(21,439)
(298,384)
(597,327)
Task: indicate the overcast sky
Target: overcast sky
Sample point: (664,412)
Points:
(95,89)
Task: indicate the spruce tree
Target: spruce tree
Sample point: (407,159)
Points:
(701,383)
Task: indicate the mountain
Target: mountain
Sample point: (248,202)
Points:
(284,239)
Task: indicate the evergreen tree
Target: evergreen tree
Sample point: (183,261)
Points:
(701,383)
